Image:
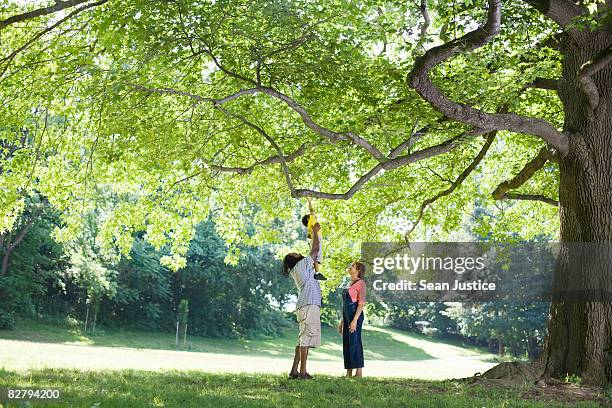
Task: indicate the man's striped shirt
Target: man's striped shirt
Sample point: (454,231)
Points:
(308,287)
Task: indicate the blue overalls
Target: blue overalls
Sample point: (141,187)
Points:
(351,342)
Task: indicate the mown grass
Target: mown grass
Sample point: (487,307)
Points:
(129,388)
(379,343)
(138,388)
(388,352)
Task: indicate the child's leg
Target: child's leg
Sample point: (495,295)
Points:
(318,275)
(319,256)
(317,263)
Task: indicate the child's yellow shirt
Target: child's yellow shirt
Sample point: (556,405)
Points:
(312,220)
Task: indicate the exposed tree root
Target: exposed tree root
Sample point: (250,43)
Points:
(528,376)
(512,375)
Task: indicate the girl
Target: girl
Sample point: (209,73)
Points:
(353,301)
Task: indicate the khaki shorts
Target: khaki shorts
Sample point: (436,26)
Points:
(309,321)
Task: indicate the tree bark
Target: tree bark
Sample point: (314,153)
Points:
(6,253)
(86,318)
(13,243)
(579,337)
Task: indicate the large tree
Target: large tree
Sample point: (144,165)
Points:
(386,110)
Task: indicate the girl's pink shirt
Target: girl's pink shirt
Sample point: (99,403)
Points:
(357,292)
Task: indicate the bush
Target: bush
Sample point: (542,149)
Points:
(269,324)
(7,320)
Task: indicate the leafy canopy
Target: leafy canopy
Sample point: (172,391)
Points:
(121,108)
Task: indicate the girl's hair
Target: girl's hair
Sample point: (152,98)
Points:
(360,269)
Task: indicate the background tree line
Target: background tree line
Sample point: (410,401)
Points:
(48,280)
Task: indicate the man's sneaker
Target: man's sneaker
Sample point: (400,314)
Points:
(319,276)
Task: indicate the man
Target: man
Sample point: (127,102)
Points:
(308,304)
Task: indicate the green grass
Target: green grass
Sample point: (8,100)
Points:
(105,387)
(388,352)
(379,343)
(128,388)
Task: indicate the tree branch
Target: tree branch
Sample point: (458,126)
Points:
(586,73)
(218,104)
(39,34)
(532,197)
(208,51)
(560,11)
(535,164)
(261,131)
(543,83)
(13,243)
(195,97)
(424,25)
(301,111)
(393,161)
(240,170)
(392,164)
(411,141)
(420,81)
(270,160)
(312,125)
(296,42)
(489,137)
(58,6)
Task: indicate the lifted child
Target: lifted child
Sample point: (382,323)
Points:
(309,220)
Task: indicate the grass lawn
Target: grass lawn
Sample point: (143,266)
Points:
(106,381)
(379,343)
(129,388)
(388,352)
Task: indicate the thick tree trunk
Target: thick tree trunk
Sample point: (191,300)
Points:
(182,331)
(579,338)
(6,251)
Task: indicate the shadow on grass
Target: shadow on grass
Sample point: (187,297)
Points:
(132,388)
(378,345)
